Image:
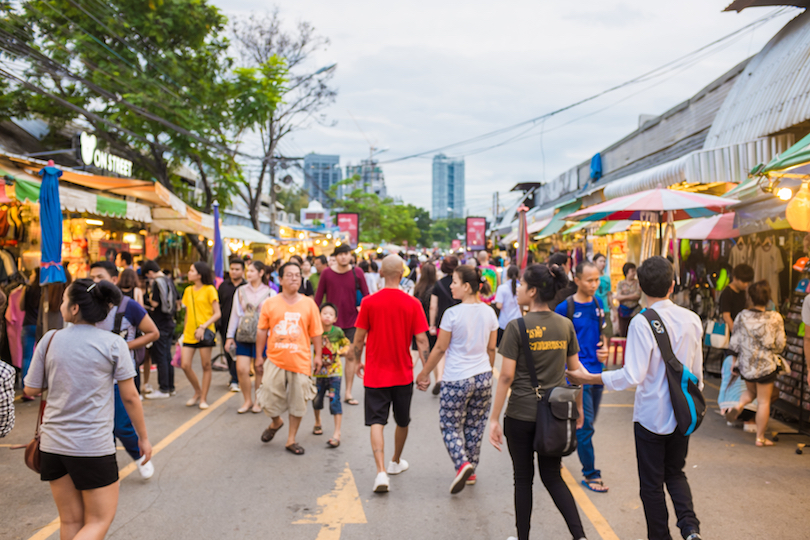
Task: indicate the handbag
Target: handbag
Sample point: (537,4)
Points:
(249,323)
(32,453)
(557,413)
(209,337)
(782,365)
(688,402)
(716,335)
(358,293)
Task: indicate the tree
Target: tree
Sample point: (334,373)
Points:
(259,40)
(152,80)
(444,231)
(423,222)
(294,199)
(381,219)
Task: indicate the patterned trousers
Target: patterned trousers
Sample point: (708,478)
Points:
(464,408)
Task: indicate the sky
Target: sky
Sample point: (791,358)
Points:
(419,75)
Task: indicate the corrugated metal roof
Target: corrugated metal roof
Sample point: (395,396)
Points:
(726,164)
(739,5)
(773,93)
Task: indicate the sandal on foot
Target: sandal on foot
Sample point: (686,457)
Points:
(596,485)
(317,430)
(296,449)
(269,433)
(763,442)
(352,401)
(333,443)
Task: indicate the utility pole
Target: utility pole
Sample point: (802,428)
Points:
(495,206)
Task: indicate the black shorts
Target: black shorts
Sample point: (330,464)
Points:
(765,379)
(378,403)
(349,333)
(86,472)
(199,345)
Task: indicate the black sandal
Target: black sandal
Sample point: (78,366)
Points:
(296,449)
(269,433)
(352,401)
(317,430)
(333,443)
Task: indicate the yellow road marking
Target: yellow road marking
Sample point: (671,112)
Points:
(599,522)
(338,508)
(53,526)
(707,383)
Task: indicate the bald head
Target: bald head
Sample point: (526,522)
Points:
(392,268)
(483,257)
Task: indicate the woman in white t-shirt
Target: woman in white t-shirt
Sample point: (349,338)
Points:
(506,300)
(467,337)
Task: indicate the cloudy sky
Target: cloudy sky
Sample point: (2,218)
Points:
(423,74)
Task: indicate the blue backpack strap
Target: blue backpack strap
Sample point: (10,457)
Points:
(119,315)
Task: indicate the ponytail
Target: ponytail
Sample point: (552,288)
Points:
(470,276)
(94,299)
(547,280)
(512,273)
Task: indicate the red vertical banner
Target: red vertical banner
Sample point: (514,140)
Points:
(476,233)
(350,222)
(455,245)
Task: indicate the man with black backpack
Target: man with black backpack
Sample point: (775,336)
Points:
(662,440)
(162,303)
(128,319)
(588,315)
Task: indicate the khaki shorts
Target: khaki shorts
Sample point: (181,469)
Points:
(283,391)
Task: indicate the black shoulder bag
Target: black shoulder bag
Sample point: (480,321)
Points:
(556,433)
(687,399)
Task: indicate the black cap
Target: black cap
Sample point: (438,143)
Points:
(342,248)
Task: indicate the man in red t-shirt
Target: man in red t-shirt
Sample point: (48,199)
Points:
(390,318)
(339,284)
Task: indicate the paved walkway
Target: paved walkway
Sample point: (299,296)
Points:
(215,479)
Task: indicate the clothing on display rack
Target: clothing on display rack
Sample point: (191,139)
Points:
(14,323)
(768,264)
(741,254)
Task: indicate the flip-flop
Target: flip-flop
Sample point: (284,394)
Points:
(351,401)
(317,430)
(269,433)
(333,443)
(596,485)
(296,449)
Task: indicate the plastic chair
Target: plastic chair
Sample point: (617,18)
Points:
(615,343)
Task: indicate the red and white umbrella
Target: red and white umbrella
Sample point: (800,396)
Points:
(719,227)
(652,204)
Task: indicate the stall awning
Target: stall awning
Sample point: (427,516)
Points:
(246,234)
(187,220)
(74,200)
(558,221)
(611,227)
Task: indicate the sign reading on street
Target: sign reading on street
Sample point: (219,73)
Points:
(350,222)
(476,233)
(91,155)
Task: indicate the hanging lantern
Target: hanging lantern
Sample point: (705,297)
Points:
(798,210)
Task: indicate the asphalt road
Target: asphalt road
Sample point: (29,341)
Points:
(215,479)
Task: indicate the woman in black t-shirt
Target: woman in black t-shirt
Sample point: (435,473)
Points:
(557,348)
(440,300)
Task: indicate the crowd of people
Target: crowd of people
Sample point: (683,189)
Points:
(308,329)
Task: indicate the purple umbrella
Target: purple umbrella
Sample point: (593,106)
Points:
(50,219)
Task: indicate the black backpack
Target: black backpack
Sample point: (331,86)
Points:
(140,353)
(688,402)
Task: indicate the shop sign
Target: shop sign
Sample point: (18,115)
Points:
(350,222)
(91,155)
(476,233)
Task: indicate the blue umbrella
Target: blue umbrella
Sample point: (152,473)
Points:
(218,265)
(50,219)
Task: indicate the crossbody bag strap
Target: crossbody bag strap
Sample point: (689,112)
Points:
(44,394)
(660,333)
(528,356)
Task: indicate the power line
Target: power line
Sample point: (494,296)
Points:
(661,70)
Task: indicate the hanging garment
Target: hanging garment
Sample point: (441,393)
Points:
(768,264)
(740,254)
(14,323)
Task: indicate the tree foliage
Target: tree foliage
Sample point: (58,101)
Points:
(444,231)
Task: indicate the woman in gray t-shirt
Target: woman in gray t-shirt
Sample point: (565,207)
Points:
(77,449)
(554,345)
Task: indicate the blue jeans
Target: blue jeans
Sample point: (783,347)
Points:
(29,343)
(327,386)
(123,429)
(591,398)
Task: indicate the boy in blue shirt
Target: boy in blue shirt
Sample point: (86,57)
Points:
(586,312)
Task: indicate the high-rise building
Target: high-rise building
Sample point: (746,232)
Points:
(321,172)
(448,187)
(372,179)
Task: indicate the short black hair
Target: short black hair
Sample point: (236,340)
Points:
(598,256)
(582,266)
(126,257)
(284,266)
(150,266)
(321,258)
(655,276)
(237,260)
(331,305)
(108,267)
(743,273)
(560,259)
(627,267)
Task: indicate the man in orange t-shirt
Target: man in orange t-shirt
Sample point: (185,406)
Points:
(287,324)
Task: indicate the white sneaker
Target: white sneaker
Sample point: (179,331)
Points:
(234,387)
(396,468)
(157,394)
(146,470)
(381,483)
(147,388)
